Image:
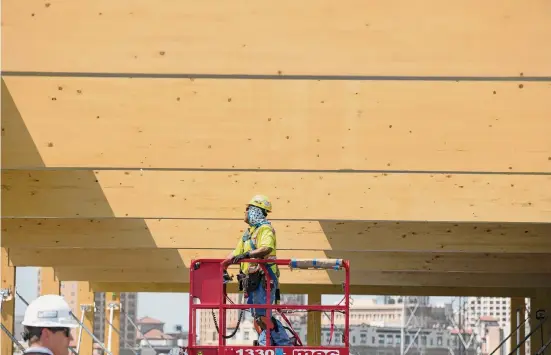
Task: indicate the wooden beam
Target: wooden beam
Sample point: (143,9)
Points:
(187,194)
(136,233)
(324,277)
(17,144)
(219,40)
(8,305)
(329,289)
(355,125)
(85,296)
(49,283)
(180,259)
(313,331)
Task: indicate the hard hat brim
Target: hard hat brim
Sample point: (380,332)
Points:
(259,206)
(42,324)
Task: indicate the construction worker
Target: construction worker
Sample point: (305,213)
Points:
(47,326)
(259,242)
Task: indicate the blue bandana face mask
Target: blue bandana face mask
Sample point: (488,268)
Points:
(256,217)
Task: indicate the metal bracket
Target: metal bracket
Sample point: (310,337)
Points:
(88,307)
(6,294)
(540,314)
(114,306)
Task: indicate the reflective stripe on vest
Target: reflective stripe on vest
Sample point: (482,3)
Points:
(253,247)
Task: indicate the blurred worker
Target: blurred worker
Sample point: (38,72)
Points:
(47,326)
(259,242)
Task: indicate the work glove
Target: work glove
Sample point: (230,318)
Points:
(240,257)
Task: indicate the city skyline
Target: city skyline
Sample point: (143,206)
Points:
(170,308)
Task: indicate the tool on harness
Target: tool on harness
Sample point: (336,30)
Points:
(249,283)
(258,273)
(226,277)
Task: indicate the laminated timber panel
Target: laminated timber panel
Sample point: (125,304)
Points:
(325,277)
(300,125)
(328,289)
(173,260)
(49,283)
(7,311)
(376,37)
(299,195)
(134,233)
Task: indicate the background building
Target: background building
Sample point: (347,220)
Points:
(377,327)
(497,307)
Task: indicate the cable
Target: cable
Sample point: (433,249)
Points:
(236,327)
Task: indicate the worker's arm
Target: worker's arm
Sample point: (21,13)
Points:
(252,254)
(266,244)
(260,252)
(237,251)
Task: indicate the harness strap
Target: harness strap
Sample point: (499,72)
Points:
(268,265)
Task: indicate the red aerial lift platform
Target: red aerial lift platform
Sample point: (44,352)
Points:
(208,291)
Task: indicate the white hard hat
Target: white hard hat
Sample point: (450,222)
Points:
(49,311)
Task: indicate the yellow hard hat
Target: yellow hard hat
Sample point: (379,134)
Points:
(262,202)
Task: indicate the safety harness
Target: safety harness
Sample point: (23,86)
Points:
(253,280)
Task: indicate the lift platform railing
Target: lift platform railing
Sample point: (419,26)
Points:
(207,284)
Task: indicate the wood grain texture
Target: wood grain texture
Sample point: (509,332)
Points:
(374,37)
(8,279)
(179,260)
(323,277)
(49,283)
(311,196)
(330,289)
(291,235)
(250,124)
(85,296)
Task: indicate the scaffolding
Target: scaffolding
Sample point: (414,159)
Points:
(458,320)
(6,295)
(411,325)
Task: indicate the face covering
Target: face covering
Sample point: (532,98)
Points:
(256,217)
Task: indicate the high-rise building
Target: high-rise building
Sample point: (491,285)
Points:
(497,307)
(129,305)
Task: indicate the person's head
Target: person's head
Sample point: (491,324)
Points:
(257,209)
(48,322)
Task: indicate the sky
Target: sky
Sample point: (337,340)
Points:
(170,308)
